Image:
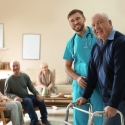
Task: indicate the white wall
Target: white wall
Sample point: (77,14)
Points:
(49,18)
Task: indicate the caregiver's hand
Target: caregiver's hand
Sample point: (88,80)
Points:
(80,80)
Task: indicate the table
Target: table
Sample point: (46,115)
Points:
(56,101)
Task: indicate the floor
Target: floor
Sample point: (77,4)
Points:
(56,117)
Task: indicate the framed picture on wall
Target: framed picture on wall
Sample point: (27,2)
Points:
(1,35)
(31,46)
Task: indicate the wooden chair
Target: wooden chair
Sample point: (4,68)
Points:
(2,109)
(2,117)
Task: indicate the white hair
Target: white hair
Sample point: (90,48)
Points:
(44,64)
(103,15)
(11,63)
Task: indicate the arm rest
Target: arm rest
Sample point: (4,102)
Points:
(2,109)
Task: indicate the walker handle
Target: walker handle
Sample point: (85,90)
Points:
(73,105)
(98,113)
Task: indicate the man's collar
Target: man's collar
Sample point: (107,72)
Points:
(110,37)
(16,74)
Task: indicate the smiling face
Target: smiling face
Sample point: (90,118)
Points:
(76,21)
(15,67)
(101,26)
(44,67)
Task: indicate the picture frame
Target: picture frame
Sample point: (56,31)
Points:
(31,46)
(1,35)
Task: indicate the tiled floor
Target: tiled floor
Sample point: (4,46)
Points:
(56,117)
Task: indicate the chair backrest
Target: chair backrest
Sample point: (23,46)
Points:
(2,82)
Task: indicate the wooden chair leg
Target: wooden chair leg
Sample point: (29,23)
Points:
(3,118)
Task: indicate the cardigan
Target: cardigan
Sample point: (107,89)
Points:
(45,80)
(107,66)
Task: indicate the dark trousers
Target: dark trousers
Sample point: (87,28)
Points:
(29,103)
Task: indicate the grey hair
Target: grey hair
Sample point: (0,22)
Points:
(11,63)
(106,16)
(103,15)
(43,64)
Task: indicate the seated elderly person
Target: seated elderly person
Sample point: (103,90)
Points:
(45,78)
(16,88)
(14,110)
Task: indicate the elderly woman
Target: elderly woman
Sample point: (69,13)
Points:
(45,78)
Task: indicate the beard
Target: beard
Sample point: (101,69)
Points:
(80,29)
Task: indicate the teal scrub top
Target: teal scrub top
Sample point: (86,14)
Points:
(81,61)
(81,53)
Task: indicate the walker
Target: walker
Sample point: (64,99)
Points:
(90,112)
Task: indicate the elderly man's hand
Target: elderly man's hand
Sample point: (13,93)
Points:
(39,97)
(81,101)
(18,99)
(109,111)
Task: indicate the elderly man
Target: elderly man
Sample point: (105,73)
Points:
(107,65)
(16,88)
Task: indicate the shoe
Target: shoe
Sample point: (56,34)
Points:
(38,123)
(46,122)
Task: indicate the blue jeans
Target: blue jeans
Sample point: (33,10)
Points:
(29,103)
(116,119)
